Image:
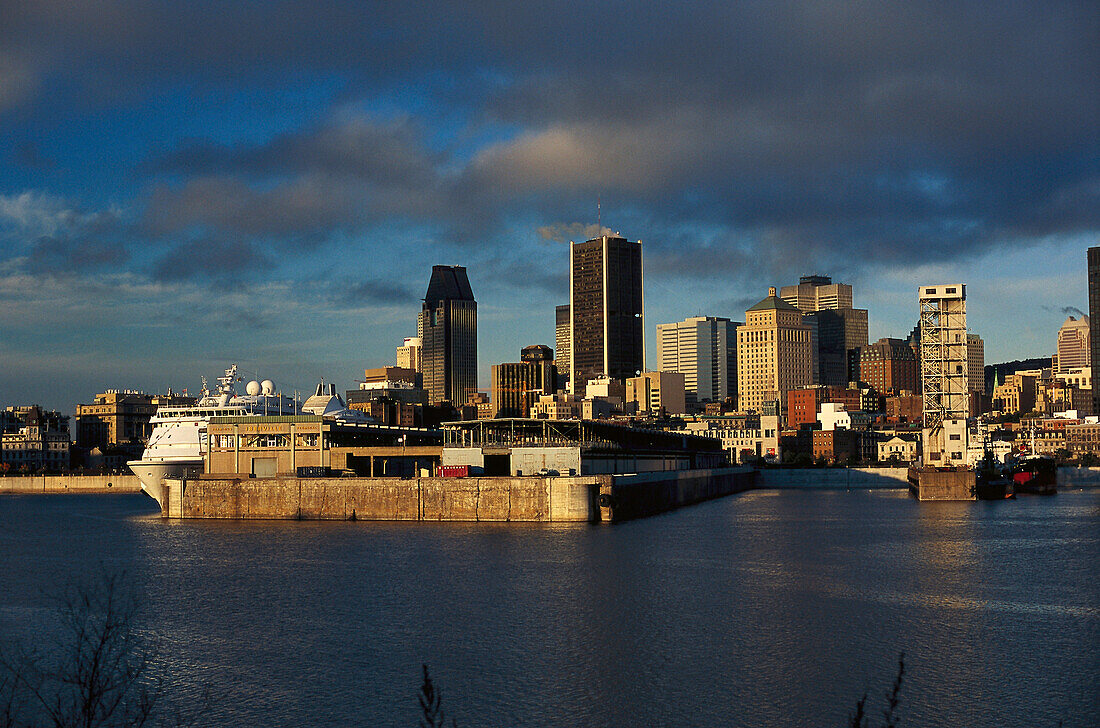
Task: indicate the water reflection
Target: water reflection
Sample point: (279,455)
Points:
(769,608)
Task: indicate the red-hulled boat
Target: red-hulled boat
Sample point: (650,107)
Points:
(1036,476)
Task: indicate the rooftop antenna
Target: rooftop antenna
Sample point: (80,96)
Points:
(599,217)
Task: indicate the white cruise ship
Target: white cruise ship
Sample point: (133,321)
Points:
(177,444)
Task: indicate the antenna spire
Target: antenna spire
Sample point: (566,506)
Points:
(599,217)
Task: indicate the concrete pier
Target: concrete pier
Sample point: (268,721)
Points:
(70,484)
(592,498)
(943,485)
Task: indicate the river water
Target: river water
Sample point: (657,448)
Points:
(768,608)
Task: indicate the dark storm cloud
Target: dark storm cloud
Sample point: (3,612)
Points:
(372,292)
(72,240)
(385,153)
(211,259)
(791,133)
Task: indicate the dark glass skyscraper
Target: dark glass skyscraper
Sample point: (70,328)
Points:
(606,310)
(1094,319)
(448,326)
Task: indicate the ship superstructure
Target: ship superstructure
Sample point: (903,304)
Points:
(177,444)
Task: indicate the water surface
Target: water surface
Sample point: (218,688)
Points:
(769,608)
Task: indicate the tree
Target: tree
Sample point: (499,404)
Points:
(859,719)
(431,708)
(98,674)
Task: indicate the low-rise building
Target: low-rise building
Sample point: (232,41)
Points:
(904,407)
(836,446)
(655,393)
(39,443)
(119,419)
(898,449)
(1084,438)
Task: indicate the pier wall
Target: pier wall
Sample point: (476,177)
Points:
(624,497)
(833,478)
(1070,477)
(385,499)
(70,484)
(520,499)
(929,484)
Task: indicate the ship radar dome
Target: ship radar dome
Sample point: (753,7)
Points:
(253,387)
(267,386)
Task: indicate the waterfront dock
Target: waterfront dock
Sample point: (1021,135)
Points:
(70,484)
(589,498)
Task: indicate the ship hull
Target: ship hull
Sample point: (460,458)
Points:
(153,472)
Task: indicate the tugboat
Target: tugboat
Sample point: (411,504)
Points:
(990,481)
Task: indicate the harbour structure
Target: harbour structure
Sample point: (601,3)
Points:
(305,467)
(704,350)
(606,310)
(944,368)
(268,447)
(774,353)
(518,446)
(1093,259)
(448,332)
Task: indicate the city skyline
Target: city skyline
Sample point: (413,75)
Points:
(181,190)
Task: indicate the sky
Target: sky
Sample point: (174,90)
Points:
(188,185)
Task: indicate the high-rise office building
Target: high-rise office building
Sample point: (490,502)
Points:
(975,363)
(606,310)
(448,326)
(408,355)
(704,350)
(561,342)
(1074,351)
(840,328)
(817,293)
(840,334)
(517,386)
(1094,313)
(774,353)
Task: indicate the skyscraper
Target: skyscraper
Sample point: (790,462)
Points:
(704,350)
(516,386)
(1094,313)
(975,363)
(448,326)
(840,328)
(606,310)
(561,342)
(1074,349)
(408,355)
(817,293)
(774,353)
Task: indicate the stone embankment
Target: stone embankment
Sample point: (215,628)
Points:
(591,498)
(70,484)
(833,478)
(1069,477)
